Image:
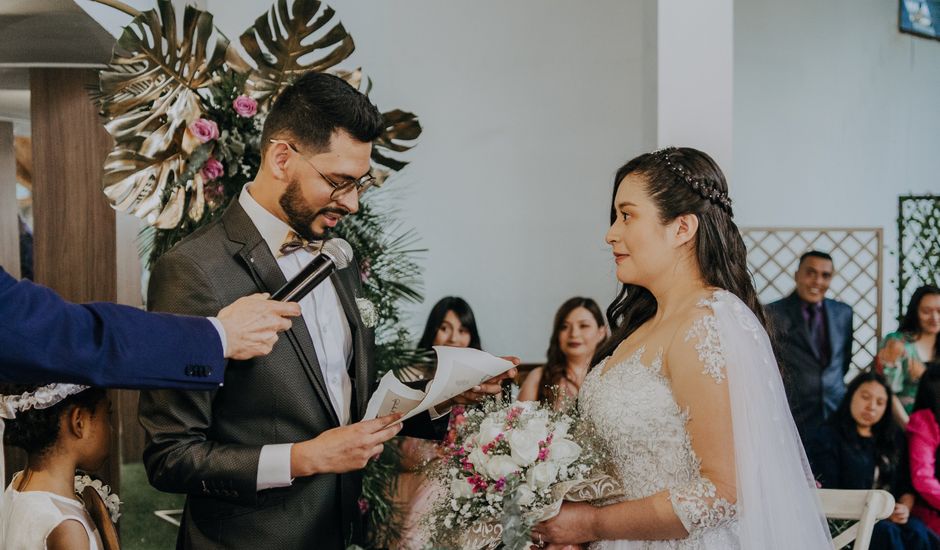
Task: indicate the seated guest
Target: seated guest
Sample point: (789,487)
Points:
(862,447)
(923,435)
(814,343)
(450,323)
(577,331)
(62,427)
(903,354)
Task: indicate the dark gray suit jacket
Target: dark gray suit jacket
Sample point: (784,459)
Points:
(207,444)
(814,389)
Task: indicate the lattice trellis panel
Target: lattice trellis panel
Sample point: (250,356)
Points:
(918,245)
(774,252)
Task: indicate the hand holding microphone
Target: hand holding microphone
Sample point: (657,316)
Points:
(335,254)
(251,323)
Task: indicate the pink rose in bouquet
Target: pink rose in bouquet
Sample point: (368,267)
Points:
(212,169)
(245,106)
(205,130)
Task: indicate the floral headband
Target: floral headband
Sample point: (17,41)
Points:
(43,398)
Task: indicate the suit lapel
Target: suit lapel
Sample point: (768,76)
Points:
(362,337)
(263,268)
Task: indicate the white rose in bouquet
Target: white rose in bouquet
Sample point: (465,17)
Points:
(537,428)
(490,429)
(542,475)
(526,495)
(479,459)
(561,429)
(563,451)
(500,466)
(524,446)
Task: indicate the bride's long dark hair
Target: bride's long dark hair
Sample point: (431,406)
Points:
(684,181)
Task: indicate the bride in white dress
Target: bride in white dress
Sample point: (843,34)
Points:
(689,398)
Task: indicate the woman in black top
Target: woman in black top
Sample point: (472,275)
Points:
(861,447)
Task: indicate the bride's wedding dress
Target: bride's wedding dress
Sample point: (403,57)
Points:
(647,440)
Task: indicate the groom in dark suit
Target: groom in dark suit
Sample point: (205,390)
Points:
(272,458)
(813,335)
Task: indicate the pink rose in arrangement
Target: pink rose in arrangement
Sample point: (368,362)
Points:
(212,169)
(205,130)
(245,106)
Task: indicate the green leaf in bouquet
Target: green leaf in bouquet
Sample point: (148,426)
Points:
(516,532)
(281,40)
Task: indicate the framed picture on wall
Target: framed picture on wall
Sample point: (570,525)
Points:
(920,17)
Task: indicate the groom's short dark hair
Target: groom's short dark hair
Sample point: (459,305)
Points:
(310,109)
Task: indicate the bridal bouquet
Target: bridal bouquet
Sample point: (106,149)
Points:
(510,467)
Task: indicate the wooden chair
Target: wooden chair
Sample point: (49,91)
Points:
(865,506)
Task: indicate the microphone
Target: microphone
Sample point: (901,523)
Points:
(335,254)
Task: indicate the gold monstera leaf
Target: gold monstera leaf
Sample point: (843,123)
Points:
(149,94)
(280,38)
(400,127)
(137,184)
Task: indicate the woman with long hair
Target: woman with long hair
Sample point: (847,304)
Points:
(923,436)
(862,447)
(687,392)
(576,332)
(904,353)
(450,323)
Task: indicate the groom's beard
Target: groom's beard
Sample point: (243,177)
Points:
(300,216)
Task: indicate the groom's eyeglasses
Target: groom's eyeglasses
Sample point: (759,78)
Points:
(361,185)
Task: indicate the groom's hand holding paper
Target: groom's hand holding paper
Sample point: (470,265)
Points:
(465,372)
(343,449)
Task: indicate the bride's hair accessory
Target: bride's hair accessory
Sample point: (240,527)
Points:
(701,186)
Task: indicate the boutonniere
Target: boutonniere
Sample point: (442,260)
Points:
(367,312)
(111,500)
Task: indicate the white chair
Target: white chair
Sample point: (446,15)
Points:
(865,506)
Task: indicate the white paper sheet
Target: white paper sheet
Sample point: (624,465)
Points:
(458,370)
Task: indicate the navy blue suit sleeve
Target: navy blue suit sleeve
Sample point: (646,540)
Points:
(44,338)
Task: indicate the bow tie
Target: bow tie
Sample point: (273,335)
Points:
(294,242)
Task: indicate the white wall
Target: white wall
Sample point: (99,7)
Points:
(836,114)
(528,109)
(695,76)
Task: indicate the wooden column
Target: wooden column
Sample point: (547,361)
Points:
(74,231)
(9,228)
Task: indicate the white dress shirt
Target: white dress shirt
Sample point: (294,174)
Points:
(329,329)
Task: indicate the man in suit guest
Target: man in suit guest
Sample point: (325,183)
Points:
(814,342)
(44,338)
(272,458)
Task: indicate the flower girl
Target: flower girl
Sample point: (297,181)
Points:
(62,428)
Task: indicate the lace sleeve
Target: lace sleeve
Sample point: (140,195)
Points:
(697,369)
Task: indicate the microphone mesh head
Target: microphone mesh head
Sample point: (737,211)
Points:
(340,251)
